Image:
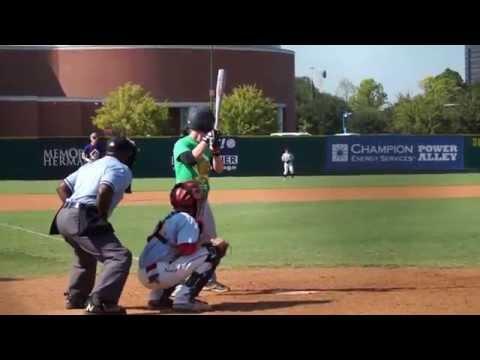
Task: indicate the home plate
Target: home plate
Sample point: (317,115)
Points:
(301,292)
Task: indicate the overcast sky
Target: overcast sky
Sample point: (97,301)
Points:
(398,67)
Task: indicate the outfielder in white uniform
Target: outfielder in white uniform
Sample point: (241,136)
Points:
(175,264)
(288,159)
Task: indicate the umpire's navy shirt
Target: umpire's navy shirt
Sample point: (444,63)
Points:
(84,182)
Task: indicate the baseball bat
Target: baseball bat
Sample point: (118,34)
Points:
(219,95)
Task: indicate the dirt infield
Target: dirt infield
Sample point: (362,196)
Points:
(25,202)
(288,291)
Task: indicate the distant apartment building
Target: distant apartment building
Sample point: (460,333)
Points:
(472,64)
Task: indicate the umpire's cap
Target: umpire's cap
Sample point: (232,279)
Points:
(121,144)
(201,118)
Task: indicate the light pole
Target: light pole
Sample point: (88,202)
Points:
(312,83)
(345,116)
(211,91)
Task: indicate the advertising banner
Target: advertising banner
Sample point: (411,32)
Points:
(394,153)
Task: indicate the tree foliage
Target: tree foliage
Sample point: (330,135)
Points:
(130,110)
(345,90)
(246,111)
(370,113)
(445,105)
(317,113)
(369,95)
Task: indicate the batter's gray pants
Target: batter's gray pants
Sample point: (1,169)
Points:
(209,228)
(105,248)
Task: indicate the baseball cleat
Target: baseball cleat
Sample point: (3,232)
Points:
(104,309)
(74,303)
(160,304)
(192,306)
(217,287)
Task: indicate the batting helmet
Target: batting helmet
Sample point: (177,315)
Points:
(122,144)
(201,119)
(185,197)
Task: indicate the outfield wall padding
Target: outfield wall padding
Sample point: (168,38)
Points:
(472,152)
(55,158)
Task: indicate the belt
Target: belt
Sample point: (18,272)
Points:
(76,205)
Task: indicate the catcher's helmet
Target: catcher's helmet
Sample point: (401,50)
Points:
(185,197)
(122,144)
(201,118)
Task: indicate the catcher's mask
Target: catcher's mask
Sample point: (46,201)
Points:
(185,197)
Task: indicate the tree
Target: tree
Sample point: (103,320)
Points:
(442,94)
(317,113)
(369,94)
(305,90)
(130,110)
(420,115)
(409,117)
(468,110)
(369,120)
(454,76)
(368,105)
(345,90)
(441,90)
(438,110)
(247,112)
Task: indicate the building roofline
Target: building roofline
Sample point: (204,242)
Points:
(59,99)
(257,48)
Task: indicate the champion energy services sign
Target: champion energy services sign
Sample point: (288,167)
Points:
(394,153)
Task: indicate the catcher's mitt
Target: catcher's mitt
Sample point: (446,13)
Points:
(220,247)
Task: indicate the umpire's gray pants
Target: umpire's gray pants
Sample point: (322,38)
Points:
(106,248)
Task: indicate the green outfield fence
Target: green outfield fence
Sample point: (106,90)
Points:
(472,152)
(54,158)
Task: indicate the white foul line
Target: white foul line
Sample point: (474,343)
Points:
(14,227)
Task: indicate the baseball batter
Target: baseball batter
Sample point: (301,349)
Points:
(89,196)
(175,262)
(194,155)
(288,159)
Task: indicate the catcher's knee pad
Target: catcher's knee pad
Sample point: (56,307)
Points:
(215,254)
(199,278)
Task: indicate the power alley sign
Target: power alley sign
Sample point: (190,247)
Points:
(394,153)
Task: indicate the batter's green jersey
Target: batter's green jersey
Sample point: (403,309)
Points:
(199,171)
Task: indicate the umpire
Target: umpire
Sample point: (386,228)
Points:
(89,196)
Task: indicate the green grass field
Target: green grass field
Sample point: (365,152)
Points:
(228,183)
(441,232)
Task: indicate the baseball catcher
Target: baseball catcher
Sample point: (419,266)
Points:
(176,262)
